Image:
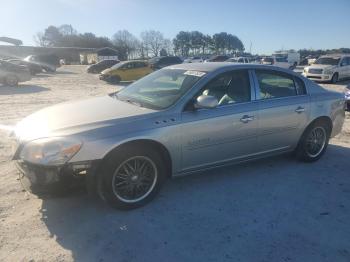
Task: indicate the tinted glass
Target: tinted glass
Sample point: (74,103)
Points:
(275,84)
(229,88)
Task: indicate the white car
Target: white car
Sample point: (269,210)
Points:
(277,61)
(243,60)
(329,68)
(195,59)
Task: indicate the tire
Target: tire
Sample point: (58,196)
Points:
(119,171)
(115,79)
(335,78)
(11,80)
(313,142)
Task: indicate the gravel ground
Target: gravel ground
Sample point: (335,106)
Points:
(275,209)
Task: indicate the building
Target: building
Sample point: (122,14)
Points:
(98,55)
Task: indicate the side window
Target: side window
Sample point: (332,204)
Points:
(274,84)
(129,66)
(347,61)
(140,64)
(228,88)
(300,86)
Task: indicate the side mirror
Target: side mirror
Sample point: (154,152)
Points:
(342,64)
(206,102)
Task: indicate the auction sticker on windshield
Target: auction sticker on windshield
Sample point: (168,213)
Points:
(194,73)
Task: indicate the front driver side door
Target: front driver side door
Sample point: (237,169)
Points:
(228,132)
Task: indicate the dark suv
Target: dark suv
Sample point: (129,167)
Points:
(163,61)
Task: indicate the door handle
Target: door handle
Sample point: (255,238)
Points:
(300,109)
(246,118)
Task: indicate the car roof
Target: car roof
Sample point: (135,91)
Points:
(214,66)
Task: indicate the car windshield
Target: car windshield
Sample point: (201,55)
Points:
(327,61)
(160,89)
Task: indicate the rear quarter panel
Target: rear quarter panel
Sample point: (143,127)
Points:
(327,103)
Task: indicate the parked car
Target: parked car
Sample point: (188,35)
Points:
(170,123)
(194,59)
(329,68)
(126,71)
(33,68)
(49,63)
(11,74)
(102,65)
(217,58)
(163,61)
(244,60)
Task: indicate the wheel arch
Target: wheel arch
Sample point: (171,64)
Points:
(149,143)
(325,119)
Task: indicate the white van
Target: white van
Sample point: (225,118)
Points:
(292,58)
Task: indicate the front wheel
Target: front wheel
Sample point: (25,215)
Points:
(132,177)
(335,78)
(11,80)
(314,142)
(115,79)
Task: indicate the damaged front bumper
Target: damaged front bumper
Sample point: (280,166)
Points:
(39,179)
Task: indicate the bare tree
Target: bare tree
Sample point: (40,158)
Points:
(124,40)
(39,39)
(153,40)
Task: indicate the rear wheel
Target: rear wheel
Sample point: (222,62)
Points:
(132,177)
(11,80)
(314,142)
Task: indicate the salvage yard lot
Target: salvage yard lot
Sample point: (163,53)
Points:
(275,209)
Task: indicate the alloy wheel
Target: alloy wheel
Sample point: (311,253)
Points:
(316,141)
(134,179)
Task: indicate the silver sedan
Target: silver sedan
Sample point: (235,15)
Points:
(178,120)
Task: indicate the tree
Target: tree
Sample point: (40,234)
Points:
(163,52)
(125,42)
(153,40)
(67,30)
(182,43)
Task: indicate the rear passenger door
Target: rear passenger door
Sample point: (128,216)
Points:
(283,110)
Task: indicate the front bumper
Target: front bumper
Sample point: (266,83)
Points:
(40,180)
(104,77)
(318,77)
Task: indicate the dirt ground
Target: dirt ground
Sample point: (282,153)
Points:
(275,209)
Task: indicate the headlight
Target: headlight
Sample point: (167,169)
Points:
(50,151)
(328,72)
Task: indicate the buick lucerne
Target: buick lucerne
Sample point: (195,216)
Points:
(178,120)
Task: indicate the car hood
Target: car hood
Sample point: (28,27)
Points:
(76,117)
(321,67)
(107,71)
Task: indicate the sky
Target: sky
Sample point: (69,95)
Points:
(263,25)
